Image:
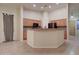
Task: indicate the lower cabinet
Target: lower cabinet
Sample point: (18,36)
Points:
(65,34)
(24,34)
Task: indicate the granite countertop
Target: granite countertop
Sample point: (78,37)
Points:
(47,29)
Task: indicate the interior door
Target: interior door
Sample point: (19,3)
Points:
(8,27)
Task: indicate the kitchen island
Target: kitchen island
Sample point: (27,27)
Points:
(45,38)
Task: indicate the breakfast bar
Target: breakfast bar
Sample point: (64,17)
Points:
(45,38)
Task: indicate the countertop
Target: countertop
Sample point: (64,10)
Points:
(47,29)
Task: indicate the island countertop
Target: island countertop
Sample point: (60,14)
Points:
(45,38)
(46,29)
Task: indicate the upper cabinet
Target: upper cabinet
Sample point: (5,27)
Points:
(60,22)
(29,22)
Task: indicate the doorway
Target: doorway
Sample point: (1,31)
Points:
(8,26)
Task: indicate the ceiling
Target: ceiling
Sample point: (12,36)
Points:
(29,6)
(54,6)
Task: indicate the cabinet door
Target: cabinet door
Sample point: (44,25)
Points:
(65,34)
(24,34)
(61,22)
(29,22)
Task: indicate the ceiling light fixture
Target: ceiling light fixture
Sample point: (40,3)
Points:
(49,6)
(57,3)
(42,7)
(46,6)
(34,5)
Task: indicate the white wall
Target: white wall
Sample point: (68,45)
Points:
(59,14)
(10,10)
(21,23)
(53,15)
(32,14)
(45,17)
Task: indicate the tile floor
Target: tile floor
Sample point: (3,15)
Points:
(70,47)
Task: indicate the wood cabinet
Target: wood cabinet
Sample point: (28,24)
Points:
(24,34)
(28,23)
(65,34)
(61,23)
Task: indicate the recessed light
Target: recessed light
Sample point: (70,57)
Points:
(49,6)
(34,5)
(42,7)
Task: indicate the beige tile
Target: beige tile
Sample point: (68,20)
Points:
(70,47)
